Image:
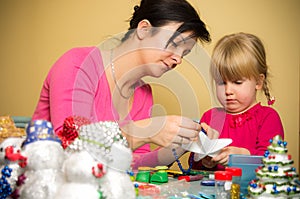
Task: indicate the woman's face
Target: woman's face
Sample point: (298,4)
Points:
(159,56)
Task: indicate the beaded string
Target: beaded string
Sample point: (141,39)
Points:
(5,188)
(180,165)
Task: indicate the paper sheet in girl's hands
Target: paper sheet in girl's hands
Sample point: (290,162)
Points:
(205,146)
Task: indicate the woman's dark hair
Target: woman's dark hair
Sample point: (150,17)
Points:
(162,12)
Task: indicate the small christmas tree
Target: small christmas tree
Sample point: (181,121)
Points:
(276,178)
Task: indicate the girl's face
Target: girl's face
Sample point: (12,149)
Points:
(158,56)
(237,96)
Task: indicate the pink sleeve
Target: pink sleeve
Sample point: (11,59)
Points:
(70,83)
(269,127)
(149,159)
(143,101)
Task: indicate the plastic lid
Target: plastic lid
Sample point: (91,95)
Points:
(236,171)
(223,175)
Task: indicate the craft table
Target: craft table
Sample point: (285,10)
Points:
(177,189)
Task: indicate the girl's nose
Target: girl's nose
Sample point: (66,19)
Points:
(228,89)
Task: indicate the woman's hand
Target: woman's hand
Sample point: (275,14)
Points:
(223,156)
(210,132)
(162,131)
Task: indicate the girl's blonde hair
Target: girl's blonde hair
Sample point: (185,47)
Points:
(237,56)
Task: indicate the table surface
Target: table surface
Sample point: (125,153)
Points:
(179,189)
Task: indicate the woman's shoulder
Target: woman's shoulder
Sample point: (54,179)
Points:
(82,50)
(75,55)
(72,60)
(80,53)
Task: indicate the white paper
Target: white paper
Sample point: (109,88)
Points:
(205,146)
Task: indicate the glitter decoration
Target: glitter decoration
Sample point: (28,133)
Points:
(97,139)
(38,130)
(45,156)
(70,129)
(101,154)
(9,129)
(235,191)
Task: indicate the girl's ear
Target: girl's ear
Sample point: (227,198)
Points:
(143,28)
(260,82)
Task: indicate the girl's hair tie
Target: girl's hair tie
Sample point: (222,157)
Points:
(271,101)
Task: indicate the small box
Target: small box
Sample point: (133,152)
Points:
(248,164)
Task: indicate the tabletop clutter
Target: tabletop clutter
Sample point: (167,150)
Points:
(93,160)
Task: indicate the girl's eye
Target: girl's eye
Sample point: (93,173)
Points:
(220,83)
(238,82)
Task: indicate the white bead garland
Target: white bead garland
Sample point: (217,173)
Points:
(97,138)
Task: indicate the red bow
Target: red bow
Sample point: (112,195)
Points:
(239,120)
(70,129)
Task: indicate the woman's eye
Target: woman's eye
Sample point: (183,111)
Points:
(185,52)
(174,44)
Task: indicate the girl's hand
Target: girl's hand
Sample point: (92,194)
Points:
(223,156)
(208,162)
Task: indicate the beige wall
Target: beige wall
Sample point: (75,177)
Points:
(35,33)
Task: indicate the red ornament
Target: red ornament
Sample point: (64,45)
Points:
(70,129)
(100,171)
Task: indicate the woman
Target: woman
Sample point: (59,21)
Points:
(106,84)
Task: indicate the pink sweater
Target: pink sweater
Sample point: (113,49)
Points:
(77,85)
(252,129)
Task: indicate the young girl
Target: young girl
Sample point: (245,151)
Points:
(239,70)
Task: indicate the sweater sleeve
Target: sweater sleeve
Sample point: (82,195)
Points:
(70,83)
(149,159)
(270,125)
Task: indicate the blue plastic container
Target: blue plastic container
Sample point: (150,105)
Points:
(248,164)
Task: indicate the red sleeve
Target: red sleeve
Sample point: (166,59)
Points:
(270,125)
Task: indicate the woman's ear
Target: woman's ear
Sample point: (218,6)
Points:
(260,82)
(143,28)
